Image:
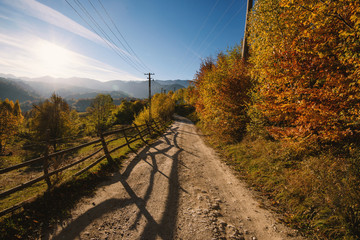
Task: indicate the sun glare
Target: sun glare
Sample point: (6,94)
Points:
(52,59)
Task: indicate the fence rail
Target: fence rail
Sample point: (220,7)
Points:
(148,129)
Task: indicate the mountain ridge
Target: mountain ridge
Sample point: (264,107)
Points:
(35,89)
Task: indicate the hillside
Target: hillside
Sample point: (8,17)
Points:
(139,89)
(78,88)
(16,90)
(32,90)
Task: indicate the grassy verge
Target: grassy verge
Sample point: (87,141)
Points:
(51,207)
(316,188)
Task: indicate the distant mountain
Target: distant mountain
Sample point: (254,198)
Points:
(74,81)
(9,76)
(45,89)
(35,89)
(16,90)
(113,94)
(68,87)
(184,83)
(140,89)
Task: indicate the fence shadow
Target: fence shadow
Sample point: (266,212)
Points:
(165,228)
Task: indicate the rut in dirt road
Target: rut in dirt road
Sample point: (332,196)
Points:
(177,188)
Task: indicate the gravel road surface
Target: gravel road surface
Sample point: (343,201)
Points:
(177,188)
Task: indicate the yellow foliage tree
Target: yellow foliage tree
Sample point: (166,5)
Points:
(162,107)
(222,90)
(10,121)
(305,57)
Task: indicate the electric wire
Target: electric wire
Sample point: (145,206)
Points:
(129,56)
(116,50)
(117,29)
(191,62)
(197,35)
(110,46)
(223,28)
(128,60)
(217,23)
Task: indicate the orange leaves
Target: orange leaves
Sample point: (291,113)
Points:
(306,67)
(223,88)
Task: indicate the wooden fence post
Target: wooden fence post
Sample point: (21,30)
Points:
(106,150)
(148,127)
(46,168)
(127,142)
(157,130)
(163,123)
(141,137)
(158,126)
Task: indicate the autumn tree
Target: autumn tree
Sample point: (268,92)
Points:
(10,121)
(222,89)
(190,95)
(53,120)
(305,57)
(179,96)
(162,107)
(100,112)
(126,111)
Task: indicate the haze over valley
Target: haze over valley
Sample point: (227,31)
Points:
(29,90)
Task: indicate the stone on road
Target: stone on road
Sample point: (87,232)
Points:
(177,188)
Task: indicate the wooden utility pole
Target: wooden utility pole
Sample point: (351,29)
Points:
(245,47)
(149,77)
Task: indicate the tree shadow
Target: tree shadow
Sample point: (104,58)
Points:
(166,227)
(74,229)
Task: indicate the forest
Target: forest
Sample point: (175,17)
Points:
(54,119)
(288,117)
(53,137)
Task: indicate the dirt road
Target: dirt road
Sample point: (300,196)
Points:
(177,188)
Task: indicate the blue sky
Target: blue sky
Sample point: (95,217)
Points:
(166,37)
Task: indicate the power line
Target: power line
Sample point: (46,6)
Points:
(107,42)
(198,33)
(112,45)
(137,62)
(219,32)
(223,28)
(117,29)
(217,23)
(124,56)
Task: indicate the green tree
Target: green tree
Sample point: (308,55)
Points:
(52,119)
(100,112)
(124,113)
(137,106)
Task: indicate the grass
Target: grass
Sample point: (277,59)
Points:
(49,207)
(315,187)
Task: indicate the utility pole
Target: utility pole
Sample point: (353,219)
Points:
(245,47)
(149,77)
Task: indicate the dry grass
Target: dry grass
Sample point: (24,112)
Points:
(316,188)
(22,175)
(48,207)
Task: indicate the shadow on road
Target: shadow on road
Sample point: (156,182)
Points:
(165,228)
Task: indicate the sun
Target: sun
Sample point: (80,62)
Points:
(52,59)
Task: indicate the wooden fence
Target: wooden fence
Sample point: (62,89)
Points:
(130,134)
